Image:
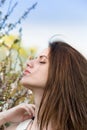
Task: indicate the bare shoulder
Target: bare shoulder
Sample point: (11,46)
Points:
(12,127)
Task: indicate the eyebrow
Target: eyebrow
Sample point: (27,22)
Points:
(41,56)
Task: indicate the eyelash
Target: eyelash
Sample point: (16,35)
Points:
(42,62)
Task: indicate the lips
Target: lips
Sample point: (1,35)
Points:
(26,72)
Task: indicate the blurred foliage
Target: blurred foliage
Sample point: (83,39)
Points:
(12,56)
(12,59)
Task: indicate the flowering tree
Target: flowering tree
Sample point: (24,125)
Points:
(11,65)
(12,58)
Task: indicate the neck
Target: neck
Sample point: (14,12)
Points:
(38,93)
(37,99)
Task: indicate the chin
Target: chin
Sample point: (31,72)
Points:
(22,81)
(25,84)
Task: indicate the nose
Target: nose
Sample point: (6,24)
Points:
(30,63)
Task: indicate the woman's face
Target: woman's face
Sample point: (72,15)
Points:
(36,72)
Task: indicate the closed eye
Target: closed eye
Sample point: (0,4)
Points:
(42,62)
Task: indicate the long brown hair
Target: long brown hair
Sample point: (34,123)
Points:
(64,101)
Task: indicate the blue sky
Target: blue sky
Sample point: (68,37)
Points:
(50,17)
(60,11)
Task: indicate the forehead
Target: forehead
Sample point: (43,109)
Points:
(45,52)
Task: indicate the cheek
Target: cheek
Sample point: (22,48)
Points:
(37,78)
(42,77)
(40,73)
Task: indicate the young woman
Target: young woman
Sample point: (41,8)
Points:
(58,79)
